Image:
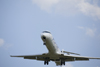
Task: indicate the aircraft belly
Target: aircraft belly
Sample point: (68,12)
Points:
(58,63)
(50,46)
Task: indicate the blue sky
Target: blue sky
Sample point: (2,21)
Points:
(74,24)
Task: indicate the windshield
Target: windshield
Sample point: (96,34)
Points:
(46,32)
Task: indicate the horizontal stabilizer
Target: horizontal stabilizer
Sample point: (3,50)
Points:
(70,53)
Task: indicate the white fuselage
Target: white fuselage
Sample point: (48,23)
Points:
(50,44)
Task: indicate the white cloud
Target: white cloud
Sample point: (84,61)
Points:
(4,45)
(45,4)
(90,9)
(70,7)
(1,42)
(80,27)
(68,65)
(88,31)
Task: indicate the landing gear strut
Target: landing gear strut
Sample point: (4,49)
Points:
(44,43)
(46,62)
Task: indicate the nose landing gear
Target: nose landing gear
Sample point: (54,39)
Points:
(44,39)
(44,43)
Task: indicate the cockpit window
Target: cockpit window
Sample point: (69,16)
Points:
(46,32)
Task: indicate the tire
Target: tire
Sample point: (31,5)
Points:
(44,62)
(61,63)
(47,63)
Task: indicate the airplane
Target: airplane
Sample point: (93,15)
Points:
(54,54)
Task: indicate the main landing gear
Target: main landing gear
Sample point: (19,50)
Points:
(62,62)
(46,62)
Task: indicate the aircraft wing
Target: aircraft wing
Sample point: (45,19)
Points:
(37,57)
(44,56)
(76,58)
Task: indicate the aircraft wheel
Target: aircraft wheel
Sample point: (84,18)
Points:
(64,62)
(44,62)
(61,63)
(47,63)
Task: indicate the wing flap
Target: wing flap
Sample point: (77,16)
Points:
(81,59)
(30,57)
